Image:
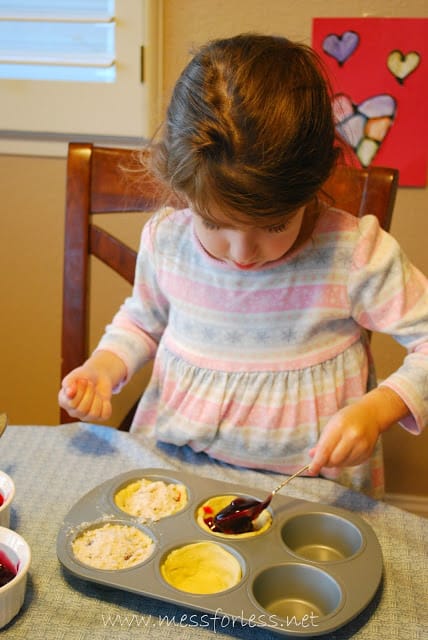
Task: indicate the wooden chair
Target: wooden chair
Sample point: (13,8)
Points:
(361,191)
(99,180)
(102,180)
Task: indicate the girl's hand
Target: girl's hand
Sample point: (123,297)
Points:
(350,436)
(86,392)
(85,397)
(348,439)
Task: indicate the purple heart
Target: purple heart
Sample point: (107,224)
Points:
(341,47)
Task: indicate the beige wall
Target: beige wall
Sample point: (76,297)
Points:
(31,231)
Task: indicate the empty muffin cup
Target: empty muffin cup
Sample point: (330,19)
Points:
(321,537)
(297,593)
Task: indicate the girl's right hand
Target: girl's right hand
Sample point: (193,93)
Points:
(86,397)
(86,391)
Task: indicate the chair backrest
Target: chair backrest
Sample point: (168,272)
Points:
(362,191)
(99,180)
(106,180)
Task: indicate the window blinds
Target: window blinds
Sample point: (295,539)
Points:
(70,40)
(74,70)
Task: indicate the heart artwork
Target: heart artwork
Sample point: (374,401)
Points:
(341,47)
(401,65)
(364,126)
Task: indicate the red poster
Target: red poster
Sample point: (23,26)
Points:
(378,68)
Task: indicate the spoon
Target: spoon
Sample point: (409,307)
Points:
(238,516)
(3,423)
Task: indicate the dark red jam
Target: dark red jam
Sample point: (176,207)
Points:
(7,570)
(1,499)
(231,525)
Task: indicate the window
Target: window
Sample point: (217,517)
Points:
(78,69)
(46,41)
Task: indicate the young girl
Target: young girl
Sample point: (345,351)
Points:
(253,299)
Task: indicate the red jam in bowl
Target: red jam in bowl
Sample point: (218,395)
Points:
(1,499)
(7,570)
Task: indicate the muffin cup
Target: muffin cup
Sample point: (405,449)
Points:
(322,537)
(120,527)
(300,594)
(202,567)
(126,490)
(208,509)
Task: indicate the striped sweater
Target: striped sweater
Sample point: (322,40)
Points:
(250,365)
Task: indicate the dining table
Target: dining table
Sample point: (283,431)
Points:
(54,466)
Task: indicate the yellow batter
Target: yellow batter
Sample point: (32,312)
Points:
(201,567)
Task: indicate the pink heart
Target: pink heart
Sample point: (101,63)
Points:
(364,126)
(342,107)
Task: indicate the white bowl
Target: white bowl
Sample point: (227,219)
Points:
(18,554)
(7,490)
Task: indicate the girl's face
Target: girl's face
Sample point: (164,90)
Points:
(247,247)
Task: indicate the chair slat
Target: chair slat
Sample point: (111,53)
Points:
(113,253)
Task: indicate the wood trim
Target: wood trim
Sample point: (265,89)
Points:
(409,502)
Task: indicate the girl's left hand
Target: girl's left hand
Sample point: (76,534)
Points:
(348,439)
(350,436)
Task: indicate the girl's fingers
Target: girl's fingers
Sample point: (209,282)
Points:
(83,388)
(94,410)
(106,410)
(82,399)
(70,390)
(346,453)
(341,454)
(90,402)
(93,405)
(70,395)
(85,401)
(330,449)
(321,454)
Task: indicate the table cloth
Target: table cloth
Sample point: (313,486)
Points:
(53,467)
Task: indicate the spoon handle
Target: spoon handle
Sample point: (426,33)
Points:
(290,478)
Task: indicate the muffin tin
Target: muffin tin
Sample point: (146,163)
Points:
(315,569)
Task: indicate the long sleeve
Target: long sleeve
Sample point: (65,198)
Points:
(136,329)
(390,295)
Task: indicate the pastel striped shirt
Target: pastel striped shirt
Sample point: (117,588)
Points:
(250,365)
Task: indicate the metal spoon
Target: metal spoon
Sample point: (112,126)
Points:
(237,517)
(3,423)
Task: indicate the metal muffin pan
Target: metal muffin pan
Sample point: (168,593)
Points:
(314,570)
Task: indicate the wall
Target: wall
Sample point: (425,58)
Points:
(31,231)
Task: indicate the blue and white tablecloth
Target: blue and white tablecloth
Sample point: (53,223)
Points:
(53,467)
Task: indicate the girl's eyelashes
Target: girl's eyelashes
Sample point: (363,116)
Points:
(277,228)
(209,225)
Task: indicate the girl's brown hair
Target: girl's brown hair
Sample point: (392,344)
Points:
(250,127)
